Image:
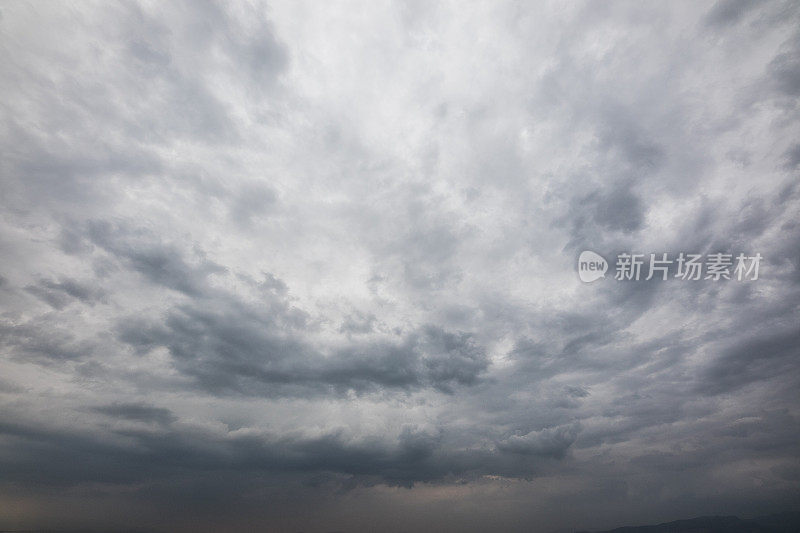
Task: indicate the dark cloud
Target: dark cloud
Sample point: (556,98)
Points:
(288,267)
(414,456)
(756,360)
(552,442)
(261,351)
(60,294)
(137,412)
(785,68)
(160,263)
(793,157)
(620,209)
(728,12)
(43,339)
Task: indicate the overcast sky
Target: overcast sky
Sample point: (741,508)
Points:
(313,265)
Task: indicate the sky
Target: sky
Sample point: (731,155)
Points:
(313,266)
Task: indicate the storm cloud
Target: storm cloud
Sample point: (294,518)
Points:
(312,266)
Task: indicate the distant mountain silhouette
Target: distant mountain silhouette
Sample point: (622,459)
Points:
(780,523)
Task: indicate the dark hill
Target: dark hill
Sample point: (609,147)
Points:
(782,523)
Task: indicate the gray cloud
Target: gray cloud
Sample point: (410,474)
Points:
(59,294)
(727,12)
(261,351)
(162,264)
(756,360)
(785,69)
(42,339)
(135,411)
(305,267)
(549,442)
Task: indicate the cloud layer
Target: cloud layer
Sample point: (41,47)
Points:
(312,266)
